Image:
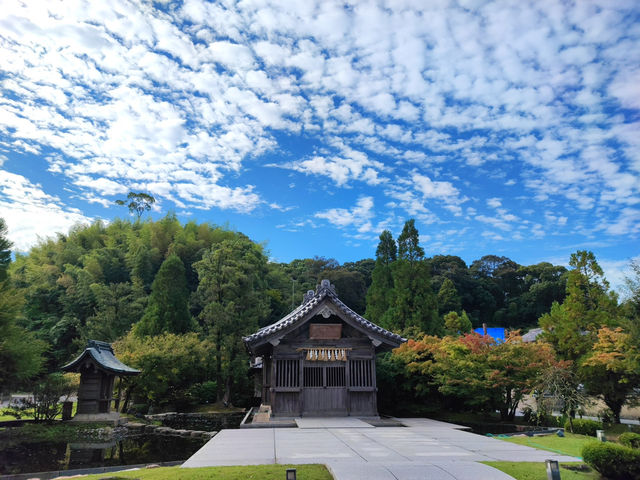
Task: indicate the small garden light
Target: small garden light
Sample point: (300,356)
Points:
(291,474)
(553,470)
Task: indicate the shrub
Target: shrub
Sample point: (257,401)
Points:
(205,392)
(138,409)
(630,439)
(606,416)
(583,427)
(616,462)
(45,404)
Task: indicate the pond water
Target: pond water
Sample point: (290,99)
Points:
(29,457)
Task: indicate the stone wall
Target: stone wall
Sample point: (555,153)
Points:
(199,421)
(146,429)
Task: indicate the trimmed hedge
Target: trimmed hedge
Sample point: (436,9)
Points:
(582,426)
(613,461)
(630,439)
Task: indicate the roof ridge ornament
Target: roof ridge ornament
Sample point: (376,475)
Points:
(325,285)
(308,296)
(99,345)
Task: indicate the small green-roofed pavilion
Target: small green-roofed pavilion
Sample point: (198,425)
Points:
(98,367)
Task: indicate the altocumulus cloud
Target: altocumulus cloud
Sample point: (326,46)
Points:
(432,110)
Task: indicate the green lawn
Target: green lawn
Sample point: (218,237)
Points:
(258,472)
(571,444)
(537,470)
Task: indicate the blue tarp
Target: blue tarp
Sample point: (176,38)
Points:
(494,332)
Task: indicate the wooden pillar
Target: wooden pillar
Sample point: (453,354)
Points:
(347,382)
(274,395)
(375,384)
(301,384)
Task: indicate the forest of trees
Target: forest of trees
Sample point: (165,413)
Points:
(180,297)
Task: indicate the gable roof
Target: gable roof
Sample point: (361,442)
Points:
(102,354)
(315,303)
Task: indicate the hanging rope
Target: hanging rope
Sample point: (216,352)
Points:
(325,354)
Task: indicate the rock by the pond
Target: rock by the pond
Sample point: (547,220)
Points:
(136,426)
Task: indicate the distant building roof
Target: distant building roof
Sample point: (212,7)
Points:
(496,333)
(532,335)
(102,355)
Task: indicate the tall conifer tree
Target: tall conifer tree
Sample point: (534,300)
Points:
(380,294)
(415,306)
(167,310)
(448,298)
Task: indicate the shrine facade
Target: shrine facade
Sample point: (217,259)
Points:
(320,359)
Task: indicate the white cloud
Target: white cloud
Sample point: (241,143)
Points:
(411,100)
(615,271)
(433,189)
(359,216)
(31,214)
(494,202)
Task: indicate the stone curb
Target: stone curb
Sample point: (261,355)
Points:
(158,430)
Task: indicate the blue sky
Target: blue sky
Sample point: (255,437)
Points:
(508,128)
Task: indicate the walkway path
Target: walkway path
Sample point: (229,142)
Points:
(424,449)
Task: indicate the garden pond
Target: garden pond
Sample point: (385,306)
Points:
(40,448)
(43,456)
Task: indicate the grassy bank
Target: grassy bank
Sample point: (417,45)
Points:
(537,470)
(257,472)
(571,444)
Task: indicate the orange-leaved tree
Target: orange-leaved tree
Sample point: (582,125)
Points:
(612,369)
(482,373)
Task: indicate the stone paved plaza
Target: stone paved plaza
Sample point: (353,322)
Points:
(354,450)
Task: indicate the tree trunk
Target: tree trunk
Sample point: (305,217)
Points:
(219,383)
(615,403)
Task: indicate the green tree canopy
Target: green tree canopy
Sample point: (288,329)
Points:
(573,325)
(21,354)
(474,369)
(167,310)
(138,203)
(170,365)
(409,243)
(455,324)
(234,301)
(448,298)
(387,251)
(380,294)
(5,250)
(612,369)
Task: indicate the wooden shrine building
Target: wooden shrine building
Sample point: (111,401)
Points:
(320,359)
(98,368)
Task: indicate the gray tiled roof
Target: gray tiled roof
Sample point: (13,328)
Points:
(532,335)
(324,290)
(102,354)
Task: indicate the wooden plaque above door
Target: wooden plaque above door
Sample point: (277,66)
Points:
(325,331)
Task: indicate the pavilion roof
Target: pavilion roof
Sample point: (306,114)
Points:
(310,307)
(102,355)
